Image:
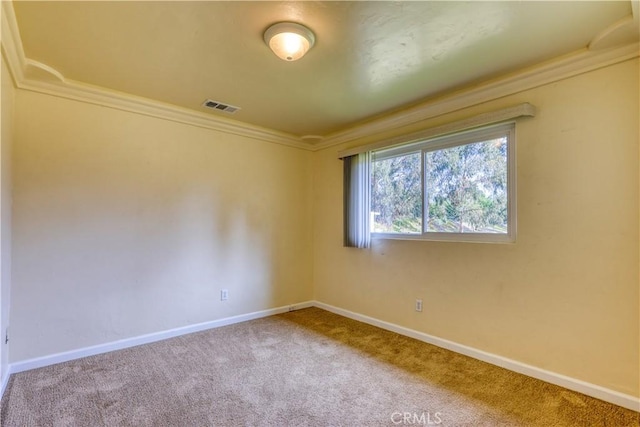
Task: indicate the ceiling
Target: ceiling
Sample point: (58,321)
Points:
(370,58)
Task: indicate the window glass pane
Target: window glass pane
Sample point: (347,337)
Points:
(466,188)
(396,194)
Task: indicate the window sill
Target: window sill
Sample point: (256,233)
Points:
(448,237)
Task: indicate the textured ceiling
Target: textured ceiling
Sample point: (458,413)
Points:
(370,58)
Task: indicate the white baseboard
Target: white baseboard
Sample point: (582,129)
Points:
(4,381)
(611,396)
(53,359)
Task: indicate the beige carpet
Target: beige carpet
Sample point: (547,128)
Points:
(308,367)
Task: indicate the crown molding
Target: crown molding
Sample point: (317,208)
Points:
(131,103)
(484,119)
(12,43)
(551,71)
(34,76)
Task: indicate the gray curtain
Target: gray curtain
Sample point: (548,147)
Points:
(357,200)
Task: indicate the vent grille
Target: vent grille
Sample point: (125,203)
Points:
(219,106)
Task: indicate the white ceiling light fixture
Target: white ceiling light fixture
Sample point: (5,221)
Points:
(289,41)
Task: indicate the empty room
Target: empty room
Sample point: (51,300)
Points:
(342,213)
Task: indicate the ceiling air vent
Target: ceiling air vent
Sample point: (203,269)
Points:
(219,106)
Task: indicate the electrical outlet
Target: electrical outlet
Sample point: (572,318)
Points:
(224,294)
(6,336)
(418,305)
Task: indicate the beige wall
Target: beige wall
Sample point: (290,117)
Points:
(125,225)
(565,296)
(6,126)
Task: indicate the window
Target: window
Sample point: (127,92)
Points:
(459,187)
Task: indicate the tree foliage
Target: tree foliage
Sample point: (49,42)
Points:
(466,187)
(466,190)
(396,196)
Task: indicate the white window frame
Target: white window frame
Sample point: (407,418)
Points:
(462,138)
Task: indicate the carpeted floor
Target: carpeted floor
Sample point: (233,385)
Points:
(304,368)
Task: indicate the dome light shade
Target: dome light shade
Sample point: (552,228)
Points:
(289,41)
